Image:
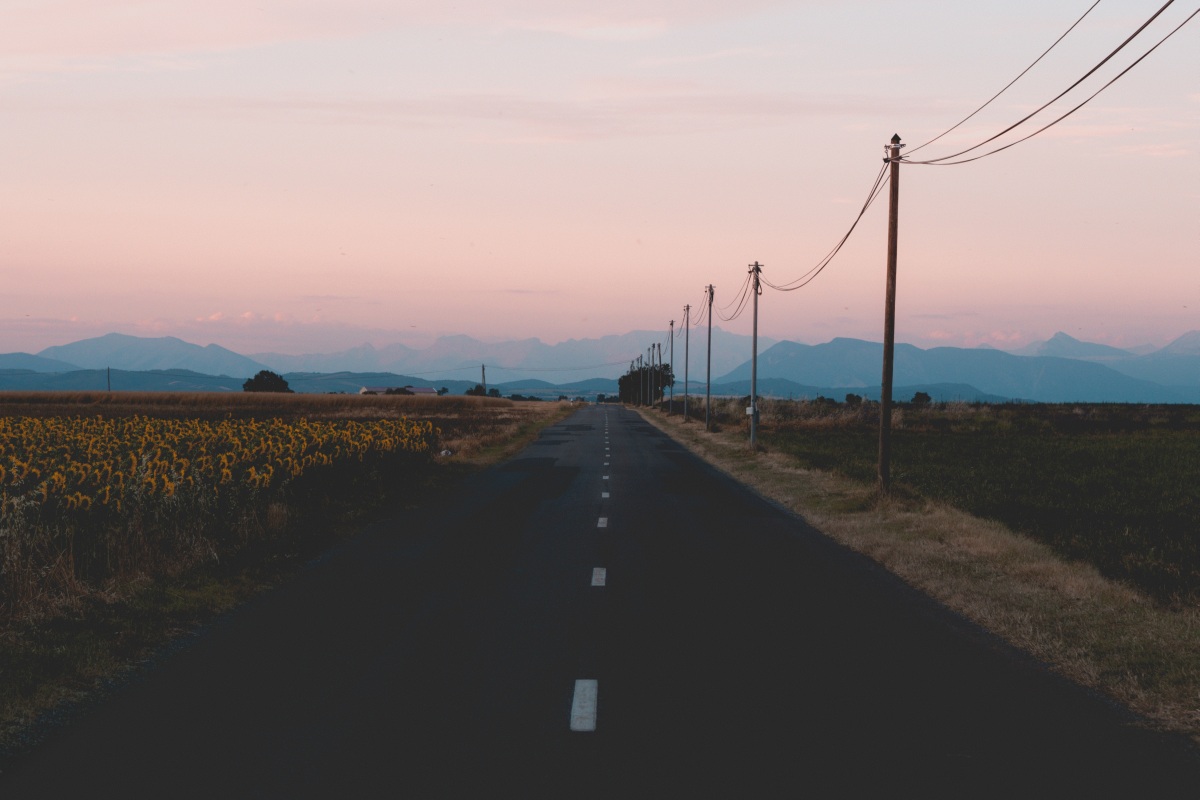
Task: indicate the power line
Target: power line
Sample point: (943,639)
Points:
(703,311)
(740,293)
(946,160)
(1010,83)
(877,187)
(741,301)
(1119,75)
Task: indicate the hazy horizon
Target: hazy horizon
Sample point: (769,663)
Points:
(765,342)
(275,178)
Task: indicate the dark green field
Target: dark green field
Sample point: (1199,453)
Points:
(1115,485)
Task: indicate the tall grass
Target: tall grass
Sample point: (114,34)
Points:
(1115,485)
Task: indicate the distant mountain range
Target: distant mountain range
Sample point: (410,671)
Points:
(1096,374)
(118,351)
(1061,369)
(448,357)
(569,361)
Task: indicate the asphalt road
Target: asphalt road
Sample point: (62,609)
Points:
(732,651)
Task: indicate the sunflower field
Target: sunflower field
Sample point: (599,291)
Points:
(86,500)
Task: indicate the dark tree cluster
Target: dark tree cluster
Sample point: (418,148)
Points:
(266,381)
(479,392)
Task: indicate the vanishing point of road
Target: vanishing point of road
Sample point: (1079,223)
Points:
(603,615)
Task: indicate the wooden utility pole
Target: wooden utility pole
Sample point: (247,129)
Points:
(660,376)
(755,270)
(687,326)
(708,373)
(889,319)
(641,381)
(483,376)
(650,375)
(655,376)
(671,405)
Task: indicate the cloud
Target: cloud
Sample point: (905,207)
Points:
(956,315)
(61,32)
(596,28)
(330,298)
(527,118)
(701,58)
(1163,150)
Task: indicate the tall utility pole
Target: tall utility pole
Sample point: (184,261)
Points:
(483,376)
(687,325)
(671,405)
(641,378)
(755,270)
(662,375)
(659,389)
(708,374)
(889,319)
(651,379)
(649,373)
(629,385)
(656,372)
(641,381)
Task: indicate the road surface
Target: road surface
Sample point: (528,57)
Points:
(601,616)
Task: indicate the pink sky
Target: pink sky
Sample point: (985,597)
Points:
(306,177)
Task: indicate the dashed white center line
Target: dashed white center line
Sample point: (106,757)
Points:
(602,523)
(604,478)
(583,705)
(604,495)
(599,576)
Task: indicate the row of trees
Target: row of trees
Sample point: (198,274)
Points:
(645,385)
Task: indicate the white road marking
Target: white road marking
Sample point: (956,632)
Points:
(599,576)
(604,495)
(583,705)
(604,478)
(603,523)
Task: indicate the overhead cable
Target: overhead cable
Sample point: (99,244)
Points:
(877,187)
(942,162)
(1010,83)
(739,301)
(1061,94)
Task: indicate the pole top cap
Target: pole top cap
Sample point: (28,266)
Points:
(895,138)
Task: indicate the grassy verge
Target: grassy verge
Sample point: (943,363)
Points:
(53,665)
(1096,631)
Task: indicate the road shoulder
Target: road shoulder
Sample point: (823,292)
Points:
(1094,631)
